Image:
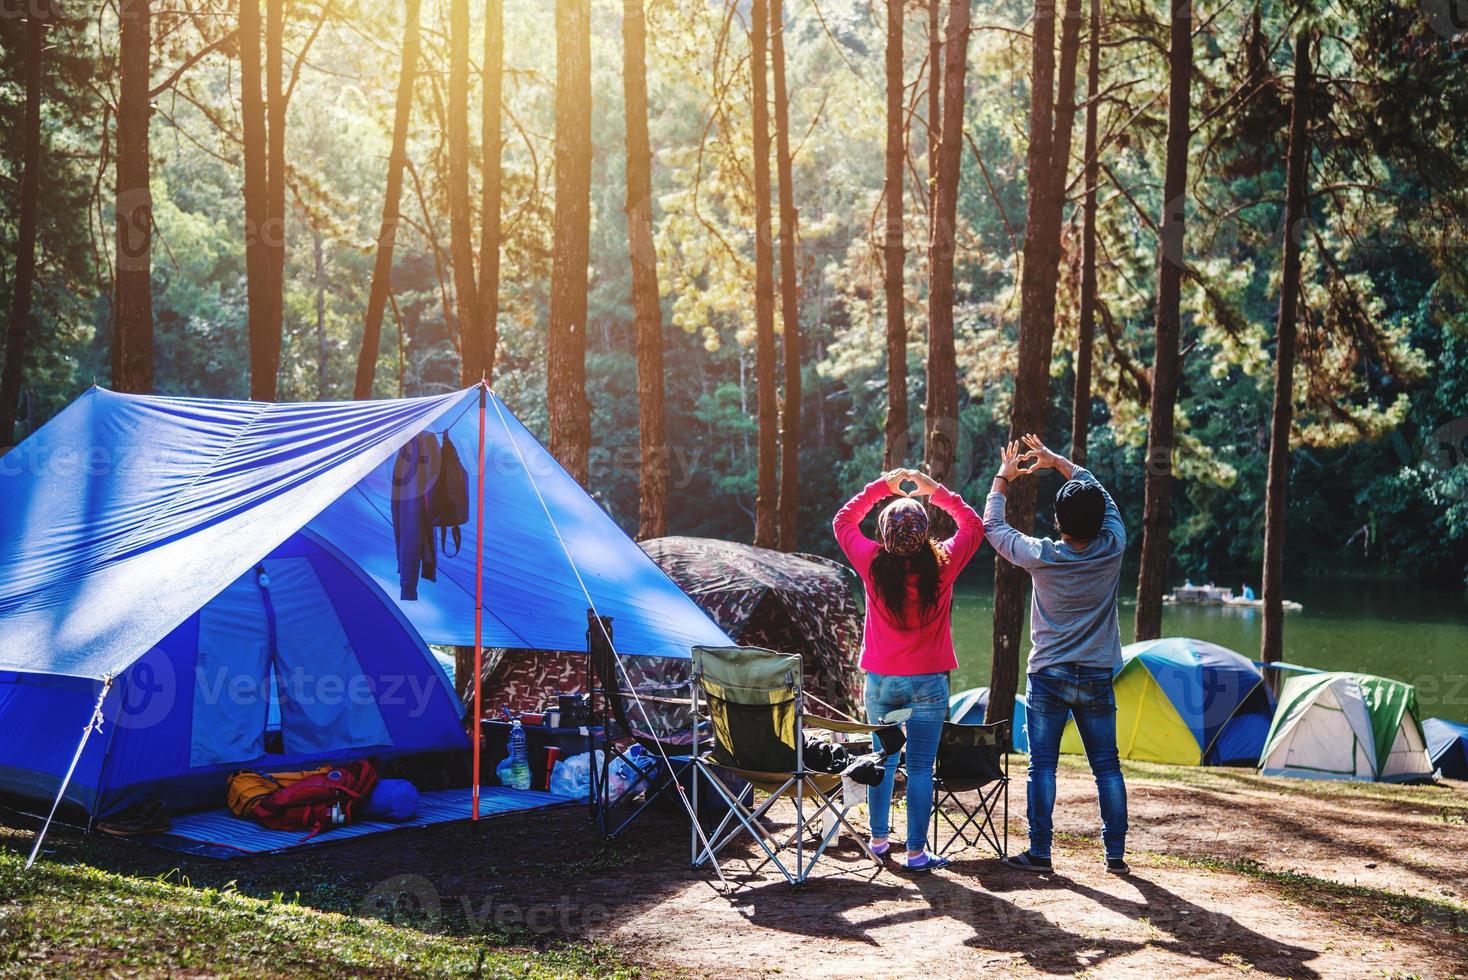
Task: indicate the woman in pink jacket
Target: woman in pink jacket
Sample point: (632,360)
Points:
(907,641)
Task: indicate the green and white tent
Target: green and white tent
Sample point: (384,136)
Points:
(1346,726)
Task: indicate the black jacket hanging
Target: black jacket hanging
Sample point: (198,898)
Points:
(414,474)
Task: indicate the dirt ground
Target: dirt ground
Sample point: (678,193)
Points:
(1388,880)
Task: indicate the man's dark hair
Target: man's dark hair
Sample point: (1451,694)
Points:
(1079,507)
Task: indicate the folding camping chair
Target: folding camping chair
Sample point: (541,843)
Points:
(756,704)
(972,758)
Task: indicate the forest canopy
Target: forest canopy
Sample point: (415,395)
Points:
(266,118)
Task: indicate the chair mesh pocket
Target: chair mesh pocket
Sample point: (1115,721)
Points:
(970,753)
(754,736)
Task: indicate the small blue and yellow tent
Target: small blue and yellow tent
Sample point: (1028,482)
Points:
(1187,702)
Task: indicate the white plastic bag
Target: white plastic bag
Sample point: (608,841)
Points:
(572,775)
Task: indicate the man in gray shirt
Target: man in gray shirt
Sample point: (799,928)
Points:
(1075,639)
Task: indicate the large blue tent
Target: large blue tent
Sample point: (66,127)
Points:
(179,546)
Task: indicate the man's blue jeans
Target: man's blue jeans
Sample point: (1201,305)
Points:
(927,696)
(1085,693)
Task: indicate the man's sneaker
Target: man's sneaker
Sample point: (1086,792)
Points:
(144,818)
(1028,862)
(1118,866)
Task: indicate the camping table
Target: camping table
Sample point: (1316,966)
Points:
(569,740)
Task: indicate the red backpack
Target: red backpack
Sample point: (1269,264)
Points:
(320,801)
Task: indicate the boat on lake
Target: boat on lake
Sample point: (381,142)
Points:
(1189,594)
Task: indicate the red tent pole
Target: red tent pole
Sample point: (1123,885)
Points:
(479,600)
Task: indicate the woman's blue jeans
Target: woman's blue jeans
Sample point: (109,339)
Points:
(927,696)
(1087,694)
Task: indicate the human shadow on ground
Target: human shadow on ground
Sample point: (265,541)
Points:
(1182,927)
(977,900)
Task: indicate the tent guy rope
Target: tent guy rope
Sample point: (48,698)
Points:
(94,724)
(601,624)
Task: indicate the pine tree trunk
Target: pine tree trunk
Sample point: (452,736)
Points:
(1157,506)
(766,516)
(256,180)
(492,194)
(25,244)
(132,345)
(1271,646)
(318,268)
(1085,343)
(461,213)
(935,100)
(940,426)
(1048,160)
(646,305)
(789,293)
(377,296)
(265,347)
(570,413)
(895,454)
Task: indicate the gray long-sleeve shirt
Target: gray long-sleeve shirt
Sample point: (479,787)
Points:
(1073,603)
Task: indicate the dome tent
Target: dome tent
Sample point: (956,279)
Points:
(969,707)
(299,661)
(1447,746)
(1187,702)
(1346,726)
(131,525)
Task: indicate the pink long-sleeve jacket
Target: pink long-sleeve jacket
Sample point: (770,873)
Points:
(917,642)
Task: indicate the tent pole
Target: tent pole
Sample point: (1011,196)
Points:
(93,723)
(479,601)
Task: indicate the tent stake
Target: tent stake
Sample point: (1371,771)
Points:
(479,603)
(94,723)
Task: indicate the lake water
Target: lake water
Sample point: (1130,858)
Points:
(1401,630)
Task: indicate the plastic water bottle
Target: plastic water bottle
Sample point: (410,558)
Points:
(519,762)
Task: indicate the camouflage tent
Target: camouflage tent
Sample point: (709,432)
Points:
(801,604)
(792,603)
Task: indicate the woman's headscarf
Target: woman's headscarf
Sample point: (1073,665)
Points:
(903,526)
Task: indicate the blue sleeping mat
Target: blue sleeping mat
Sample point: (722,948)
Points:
(220,834)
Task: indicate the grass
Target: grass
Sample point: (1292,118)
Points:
(1448,804)
(67,917)
(1357,903)
(75,920)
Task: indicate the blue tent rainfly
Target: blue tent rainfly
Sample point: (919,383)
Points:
(150,535)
